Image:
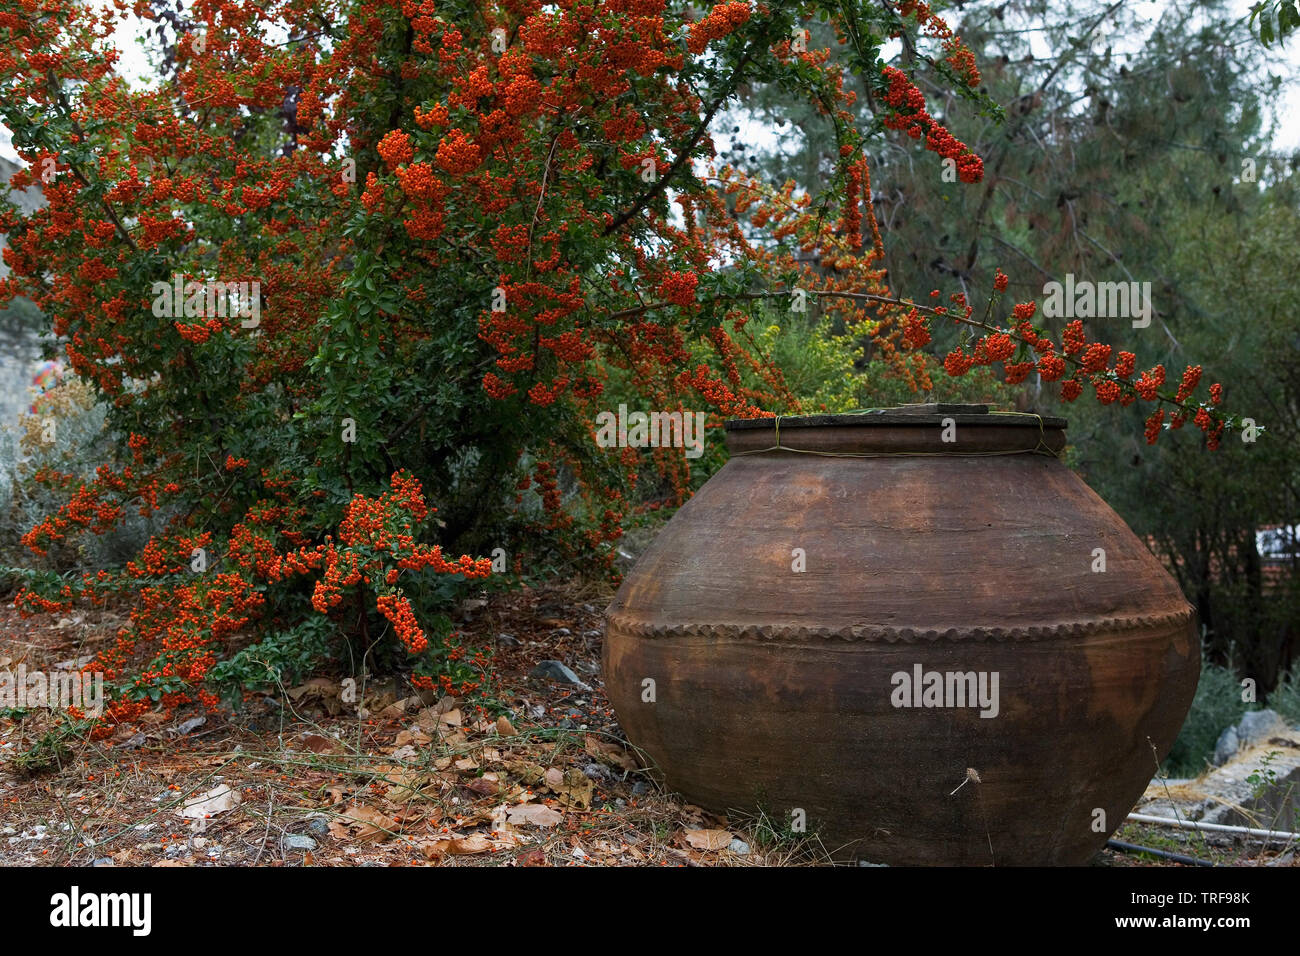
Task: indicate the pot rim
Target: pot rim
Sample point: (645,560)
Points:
(927,415)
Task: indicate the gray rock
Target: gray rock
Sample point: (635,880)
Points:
(318,827)
(1227,746)
(296,841)
(103,861)
(554,670)
(189,726)
(640,788)
(738,847)
(507,640)
(598,771)
(1257,726)
(135,740)
(562,632)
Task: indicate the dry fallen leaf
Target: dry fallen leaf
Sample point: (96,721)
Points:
(398,708)
(709,839)
(404,780)
(573,787)
(505,728)
(608,752)
(432,851)
(320,690)
(217,800)
(489,784)
(527,771)
(320,745)
(412,736)
(535,814)
(370,823)
(534,857)
(338,830)
(467,846)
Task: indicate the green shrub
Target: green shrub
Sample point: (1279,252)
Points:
(1285,698)
(1217,705)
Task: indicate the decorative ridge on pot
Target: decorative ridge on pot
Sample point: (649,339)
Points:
(757,650)
(907,635)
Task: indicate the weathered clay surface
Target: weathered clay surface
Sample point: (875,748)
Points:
(774,688)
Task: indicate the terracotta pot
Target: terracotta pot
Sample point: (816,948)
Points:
(754,682)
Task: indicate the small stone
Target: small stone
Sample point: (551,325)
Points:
(103,861)
(1227,746)
(562,632)
(556,671)
(296,841)
(507,640)
(640,788)
(189,726)
(739,847)
(318,827)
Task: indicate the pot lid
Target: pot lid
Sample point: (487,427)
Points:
(931,428)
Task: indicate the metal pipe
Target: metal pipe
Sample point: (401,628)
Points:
(1214,827)
(1175,857)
